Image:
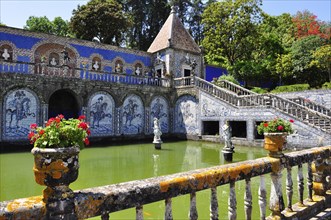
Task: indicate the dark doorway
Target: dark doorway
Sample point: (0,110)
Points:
(256,135)
(238,129)
(63,102)
(187,72)
(211,127)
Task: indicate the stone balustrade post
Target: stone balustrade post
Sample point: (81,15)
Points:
(319,169)
(276,202)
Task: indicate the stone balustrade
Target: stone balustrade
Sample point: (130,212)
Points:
(64,71)
(101,201)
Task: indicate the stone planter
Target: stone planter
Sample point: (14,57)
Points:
(274,142)
(56,168)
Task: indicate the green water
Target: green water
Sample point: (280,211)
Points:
(114,164)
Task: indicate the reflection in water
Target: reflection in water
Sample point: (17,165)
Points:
(155,162)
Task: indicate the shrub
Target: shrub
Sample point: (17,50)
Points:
(225,77)
(259,90)
(275,126)
(291,88)
(326,85)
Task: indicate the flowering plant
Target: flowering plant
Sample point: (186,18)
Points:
(60,132)
(275,126)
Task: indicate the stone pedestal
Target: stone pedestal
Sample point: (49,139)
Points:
(228,155)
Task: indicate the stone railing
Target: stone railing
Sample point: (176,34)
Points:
(43,69)
(235,88)
(312,105)
(101,201)
(299,112)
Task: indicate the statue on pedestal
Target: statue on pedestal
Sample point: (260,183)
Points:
(157,134)
(228,148)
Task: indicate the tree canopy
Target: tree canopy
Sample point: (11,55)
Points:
(103,19)
(58,26)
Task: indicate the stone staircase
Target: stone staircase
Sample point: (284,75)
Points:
(311,114)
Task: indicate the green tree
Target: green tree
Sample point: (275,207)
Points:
(39,24)
(230,31)
(322,59)
(58,26)
(302,56)
(103,19)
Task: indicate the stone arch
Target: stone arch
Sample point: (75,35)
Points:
(96,60)
(185,117)
(65,102)
(8,49)
(44,48)
(21,108)
(159,108)
(138,68)
(100,114)
(119,65)
(132,115)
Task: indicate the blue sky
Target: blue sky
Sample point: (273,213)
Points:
(14,13)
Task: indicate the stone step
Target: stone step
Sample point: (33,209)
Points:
(323,215)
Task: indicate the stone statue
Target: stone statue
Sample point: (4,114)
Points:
(66,58)
(227,133)
(118,68)
(53,62)
(157,131)
(96,65)
(5,54)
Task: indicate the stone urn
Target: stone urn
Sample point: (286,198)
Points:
(274,142)
(56,168)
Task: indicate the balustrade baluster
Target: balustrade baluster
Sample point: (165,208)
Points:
(276,195)
(139,213)
(168,209)
(213,204)
(300,184)
(289,188)
(248,200)
(232,202)
(262,198)
(104,216)
(193,215)
(310,182)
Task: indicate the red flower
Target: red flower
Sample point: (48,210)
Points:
(265,124)
(83,125)
(33,126)
(41,132)
(280,128)
(60,116)
(291,120)
(86,141)
(88,132)
(30,135)
(58,120)
(81,117)
(50,121)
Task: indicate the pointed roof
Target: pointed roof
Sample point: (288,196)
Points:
(174,35)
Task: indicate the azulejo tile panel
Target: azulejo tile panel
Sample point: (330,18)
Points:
(20,111)
(160,110)
(186,115)
(132,115)
(101,114)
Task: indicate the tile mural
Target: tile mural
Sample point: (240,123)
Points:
(101,114)
(132,115)
(20,111)
(186,115)
(160,110)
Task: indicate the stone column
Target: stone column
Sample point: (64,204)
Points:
(276,204)
(44,114)
(147,121)
(250,130)
(117,127)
